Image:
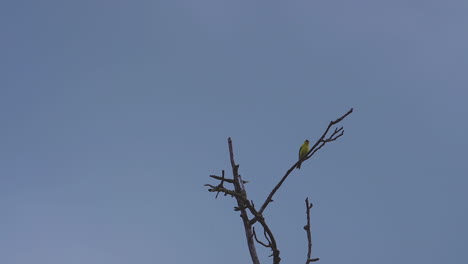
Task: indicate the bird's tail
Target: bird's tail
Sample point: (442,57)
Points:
(299,165)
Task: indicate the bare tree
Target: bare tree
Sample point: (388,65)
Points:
(251,215)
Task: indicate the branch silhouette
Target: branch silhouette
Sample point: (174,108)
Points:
(318,145)
(309,235)
(246,206)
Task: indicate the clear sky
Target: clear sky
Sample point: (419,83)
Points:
(114,113)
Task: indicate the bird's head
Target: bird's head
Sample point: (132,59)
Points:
(306,142)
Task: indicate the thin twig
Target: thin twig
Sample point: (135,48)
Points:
(225,179)
(260,242)
(321,139)
(309,235)
(221,183)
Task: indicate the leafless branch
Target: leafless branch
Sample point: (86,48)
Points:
(247,224)
(222,179)
(271,239)
(309,235)
(225,180)
(244,205)
(260,242)
(318,145)
(241,202)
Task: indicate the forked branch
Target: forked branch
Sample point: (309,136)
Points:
(244,205)
(318,145)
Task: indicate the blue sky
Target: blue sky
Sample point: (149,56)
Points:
(114,113)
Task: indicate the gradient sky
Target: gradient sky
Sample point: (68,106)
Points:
(114,113)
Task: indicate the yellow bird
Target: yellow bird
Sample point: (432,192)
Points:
(303,152)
